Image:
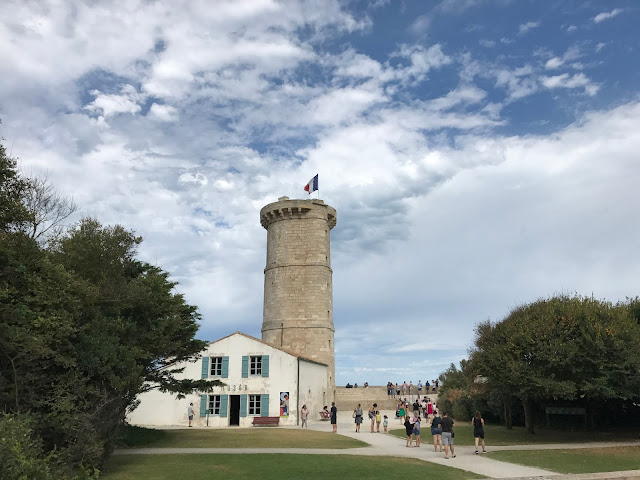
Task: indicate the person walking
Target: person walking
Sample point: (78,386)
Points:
(190,413)
(447,435)
(372,416)
(304,415)
(436,431)
(358,416)
(409,429)
(478,430)
(334,417)
(401,412)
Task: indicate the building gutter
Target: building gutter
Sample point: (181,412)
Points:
(298,396)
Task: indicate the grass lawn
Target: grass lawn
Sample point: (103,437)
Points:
(275,466)
(265,437)
(583,460)
(499,435)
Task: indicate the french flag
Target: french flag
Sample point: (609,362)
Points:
(312,186)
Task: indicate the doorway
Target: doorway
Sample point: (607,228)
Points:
(234,410)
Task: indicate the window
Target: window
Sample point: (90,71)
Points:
(216,366)
(214,404)
(255,366)
(254,404)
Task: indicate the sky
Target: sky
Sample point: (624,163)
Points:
(481,154)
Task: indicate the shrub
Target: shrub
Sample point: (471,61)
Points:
(22,456)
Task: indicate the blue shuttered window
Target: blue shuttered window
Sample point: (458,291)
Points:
(225,367)
(203,405)
(243,405)
(245,366)
(264,405)
(224,402)
(205,367)
(265,365)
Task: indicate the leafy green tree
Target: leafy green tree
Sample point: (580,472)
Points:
(13,212)
(85,327)
(562,348)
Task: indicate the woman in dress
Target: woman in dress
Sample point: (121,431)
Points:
(358,416)
(401,412)
(478,430)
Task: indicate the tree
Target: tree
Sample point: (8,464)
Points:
(47,210)
(84,328)
(562,348)
(13,213)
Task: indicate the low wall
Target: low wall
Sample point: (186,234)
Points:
(348,398)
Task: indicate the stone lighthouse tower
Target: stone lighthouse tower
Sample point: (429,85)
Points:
(298,298)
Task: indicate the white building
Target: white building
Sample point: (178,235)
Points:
(260,381)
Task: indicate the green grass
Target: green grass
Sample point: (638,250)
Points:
(274,466)
(501,436)
(583,460)
(264,437)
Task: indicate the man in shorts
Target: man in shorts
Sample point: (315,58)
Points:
(447,435)
(190,413)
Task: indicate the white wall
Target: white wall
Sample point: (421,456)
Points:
(313,388)
(164,409)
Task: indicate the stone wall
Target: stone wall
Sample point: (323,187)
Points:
(347,398)
(298,297)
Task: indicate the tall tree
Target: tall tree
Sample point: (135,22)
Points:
(570,348)
(47,209)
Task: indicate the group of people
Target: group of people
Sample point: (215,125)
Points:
(443,435)
(395,390)
(374,416)
(422,407)
(441,427)
(331,415)
(366,385)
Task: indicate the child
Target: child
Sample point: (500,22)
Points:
(385,424)
(378,421)
(416,431)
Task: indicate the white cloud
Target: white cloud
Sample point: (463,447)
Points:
(600,46)
(128,101)
(571,28)
(525,27)
(601,17)
(420,25)
(422,60)
(163,113)
(519,82)
(553,63)
(487,43)
(572,53)
(579,80)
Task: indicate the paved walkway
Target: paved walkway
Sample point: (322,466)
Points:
(389,445)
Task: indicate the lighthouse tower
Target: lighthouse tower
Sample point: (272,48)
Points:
(298,298)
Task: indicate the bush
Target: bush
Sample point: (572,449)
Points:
(22,456)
